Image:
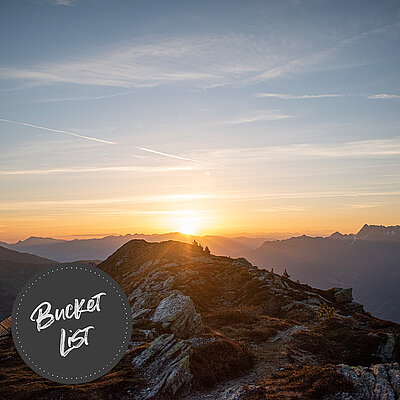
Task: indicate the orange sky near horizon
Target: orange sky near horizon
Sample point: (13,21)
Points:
(255,117)
(62,221)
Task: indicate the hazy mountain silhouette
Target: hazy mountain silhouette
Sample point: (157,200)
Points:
(368,261)
(15,269)
(101,248)
(16,256)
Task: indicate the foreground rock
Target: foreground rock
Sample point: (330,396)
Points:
(378,382)
(177,312)
(166,365)
(381,381)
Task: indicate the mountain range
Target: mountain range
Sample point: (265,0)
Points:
(100,248)
(368,261)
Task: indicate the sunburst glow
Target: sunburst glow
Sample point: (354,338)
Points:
(188,226)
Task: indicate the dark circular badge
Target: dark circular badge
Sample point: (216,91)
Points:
(71,324)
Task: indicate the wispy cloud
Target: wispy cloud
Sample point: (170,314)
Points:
(80,170)
(360,148)
(258,116)
(207,61)
(317,60)
(63,2)
(295,97)
(364,205)
(282,209)
(68,3)
(82,98)
(384,96)
(43,128)
(80,202)
(189,197)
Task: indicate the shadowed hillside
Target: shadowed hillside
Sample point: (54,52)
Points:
(368,261)
(15,269)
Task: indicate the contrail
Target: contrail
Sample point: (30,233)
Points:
(56,131)
(160,153)
(172,155)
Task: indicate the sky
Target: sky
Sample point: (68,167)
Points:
(198,116)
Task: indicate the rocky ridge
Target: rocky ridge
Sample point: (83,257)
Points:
(211,327)
(188,304)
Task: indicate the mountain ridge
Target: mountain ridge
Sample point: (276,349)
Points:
(100,248)
(368,261)
(16,256)
(207,326)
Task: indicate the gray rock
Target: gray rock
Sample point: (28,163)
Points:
(387,350)
(142,313)
(354,307)
(343,296)
(147,300)
(379,382)
(177,312)
(165,364)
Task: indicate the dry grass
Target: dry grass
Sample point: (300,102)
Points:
(296,383)
(18,381)
(244,324)
(337,340)
(306,383)
(228,316)
(219,360)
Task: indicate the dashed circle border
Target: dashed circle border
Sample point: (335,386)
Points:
(84,378)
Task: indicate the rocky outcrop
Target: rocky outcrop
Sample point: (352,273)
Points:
(166,366)
(177,312)
(343,296)
(379,382)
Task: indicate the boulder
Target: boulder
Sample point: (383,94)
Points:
(354,307)
(380,381)
(387,350)
(165,365)
(343,296)
(177,312)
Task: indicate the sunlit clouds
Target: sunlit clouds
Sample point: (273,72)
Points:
(298,97)
(384,96)
(203,60)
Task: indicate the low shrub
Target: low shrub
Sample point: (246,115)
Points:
(219,360)
(308,382)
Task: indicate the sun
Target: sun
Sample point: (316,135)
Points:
(188,226)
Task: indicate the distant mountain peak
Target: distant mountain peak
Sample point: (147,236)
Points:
(337,234)
(32,240)
(340,236)
(379,232)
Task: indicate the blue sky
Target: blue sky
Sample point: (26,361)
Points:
(239,116)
